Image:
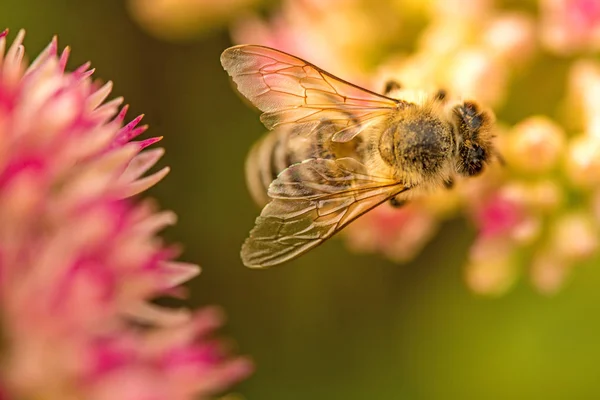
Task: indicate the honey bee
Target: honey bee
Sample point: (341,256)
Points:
(336,150)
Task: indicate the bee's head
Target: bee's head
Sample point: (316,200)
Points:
(475,138)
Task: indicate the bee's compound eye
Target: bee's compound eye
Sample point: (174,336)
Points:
(473,160)
(471,118)
(476,160)
(477,153)
(470,107)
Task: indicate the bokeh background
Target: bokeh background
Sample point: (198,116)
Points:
(333,324)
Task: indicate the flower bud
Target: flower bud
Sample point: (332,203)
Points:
(511,37)
(583,161)
(548,272)
(475,73)
(574,236)
(491,268)
(535,145)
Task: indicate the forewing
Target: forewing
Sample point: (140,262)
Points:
(311,202)
(290,90)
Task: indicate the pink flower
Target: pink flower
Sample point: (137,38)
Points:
(79,260)
(499,216)
(570,26)
(400,234)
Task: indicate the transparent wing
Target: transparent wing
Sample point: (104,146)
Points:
(311,202)
(290,90)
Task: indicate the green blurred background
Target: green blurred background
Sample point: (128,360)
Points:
(332,325)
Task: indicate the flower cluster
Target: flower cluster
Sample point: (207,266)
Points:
(537,211)
(347,36)
(570,26)
(80,260)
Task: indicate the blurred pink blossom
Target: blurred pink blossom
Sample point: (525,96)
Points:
(498,216)
(400,234)
(79,260)
(570,26)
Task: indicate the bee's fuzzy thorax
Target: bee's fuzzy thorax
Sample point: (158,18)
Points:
(417,145)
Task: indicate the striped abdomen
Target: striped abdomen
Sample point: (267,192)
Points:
(280,148)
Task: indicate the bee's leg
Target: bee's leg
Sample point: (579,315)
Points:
(397,203)
(440,95)
(390,86)
(449,183)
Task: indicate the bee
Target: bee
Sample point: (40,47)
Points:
(336,150)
